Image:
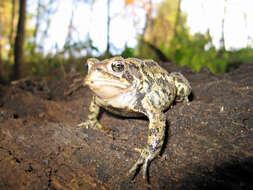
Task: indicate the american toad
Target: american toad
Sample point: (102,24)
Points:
(131,87)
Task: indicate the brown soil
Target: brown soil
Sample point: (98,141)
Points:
(209,142)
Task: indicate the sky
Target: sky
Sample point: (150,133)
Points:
(208,14)
(201,16)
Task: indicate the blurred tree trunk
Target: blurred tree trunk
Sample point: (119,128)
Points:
(89,49)
(12,30)
(37,25)
(70,27)
(69,38)
(46,11)
(108,27)
(148,24)
(19,41)
(222,41)
(157,51)
(1,43)
(1,65)
(245,17)
(175,29)
(148,18)
(177,21)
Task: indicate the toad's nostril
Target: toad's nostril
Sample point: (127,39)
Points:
(99,69)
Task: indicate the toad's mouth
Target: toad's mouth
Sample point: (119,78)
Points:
(107,88)
(107,83)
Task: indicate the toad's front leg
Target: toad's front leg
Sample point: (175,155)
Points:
(92,120)
(156,134)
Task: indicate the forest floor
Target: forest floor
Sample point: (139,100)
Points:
(209,141)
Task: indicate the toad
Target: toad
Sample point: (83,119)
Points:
(132,87)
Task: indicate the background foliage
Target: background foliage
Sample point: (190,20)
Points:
(165,37)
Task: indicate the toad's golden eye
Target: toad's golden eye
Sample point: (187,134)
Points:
(118,66)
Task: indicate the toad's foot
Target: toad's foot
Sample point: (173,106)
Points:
(143,161)
(94,125)
(91,124)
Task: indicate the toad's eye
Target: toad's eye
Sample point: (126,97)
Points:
(87,67)
(118,66)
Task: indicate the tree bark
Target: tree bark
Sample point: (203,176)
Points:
(19,41)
